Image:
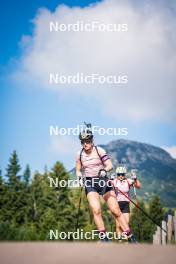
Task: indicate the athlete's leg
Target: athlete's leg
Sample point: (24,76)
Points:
(118,228)
(124,207)
(94,202)
(127,217)
(110,198)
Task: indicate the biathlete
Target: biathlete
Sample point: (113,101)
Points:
(122,185)
(92,165)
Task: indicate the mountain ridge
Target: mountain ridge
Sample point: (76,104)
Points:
(156,168)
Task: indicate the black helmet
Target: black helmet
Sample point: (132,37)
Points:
(86,135)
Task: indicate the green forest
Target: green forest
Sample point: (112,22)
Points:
(30,208)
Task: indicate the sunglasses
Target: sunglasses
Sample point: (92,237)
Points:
(86,141)
(120,174)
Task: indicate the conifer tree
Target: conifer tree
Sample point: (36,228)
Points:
(141,225)
(15,202)
(156,211)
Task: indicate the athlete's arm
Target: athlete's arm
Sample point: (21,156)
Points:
(137,184)
(105,159)
(135,181)
(108,165)
(78,169)
(78,165)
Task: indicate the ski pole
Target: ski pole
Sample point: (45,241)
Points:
(135,194)
(79,206)
(133,172)
(137,206)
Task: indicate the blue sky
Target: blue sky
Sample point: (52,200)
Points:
(28,109)
(15,19)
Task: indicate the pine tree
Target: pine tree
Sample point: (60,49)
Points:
(156,212)
(65,208)
(43,207)
(52,207)
(28,196)
(141,225)
(27,175)
(13,170)
(2,199)
(4,225)
(15,202)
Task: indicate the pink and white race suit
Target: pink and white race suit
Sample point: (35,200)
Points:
(123,186)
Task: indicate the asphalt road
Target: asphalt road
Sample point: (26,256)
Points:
(62,253)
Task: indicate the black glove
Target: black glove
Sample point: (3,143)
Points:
(102,173)
(113,176)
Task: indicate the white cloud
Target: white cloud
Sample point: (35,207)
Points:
(171,150)
(146,53)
